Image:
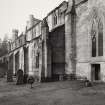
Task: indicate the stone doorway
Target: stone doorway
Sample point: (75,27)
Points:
(95,72)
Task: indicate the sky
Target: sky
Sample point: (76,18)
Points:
(15,13)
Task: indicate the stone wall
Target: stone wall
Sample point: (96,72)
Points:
(85,15)
(70,39)
(83,70)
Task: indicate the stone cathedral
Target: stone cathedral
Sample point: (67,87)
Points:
(69,40)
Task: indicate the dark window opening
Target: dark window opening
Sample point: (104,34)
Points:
(94,49)
(97,38)
(55,19)
(100,39)
(37,60)
(100,44)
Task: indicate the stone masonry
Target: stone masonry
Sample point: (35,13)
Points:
(62,43)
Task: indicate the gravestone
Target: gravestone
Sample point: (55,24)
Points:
(19,77)
(9,75)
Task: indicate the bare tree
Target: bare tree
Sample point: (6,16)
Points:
(4,46)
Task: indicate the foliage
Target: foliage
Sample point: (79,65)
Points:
(4,46)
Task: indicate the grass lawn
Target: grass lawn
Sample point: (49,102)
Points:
(52,93)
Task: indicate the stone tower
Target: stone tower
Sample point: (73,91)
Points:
(31,20)
(14,34)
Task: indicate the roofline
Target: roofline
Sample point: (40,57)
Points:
(80,3)
(57,7)
(33,26)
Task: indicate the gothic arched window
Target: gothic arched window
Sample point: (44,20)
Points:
(55,19)
(97,38)
(37,60)
(93,36)
(100,38)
